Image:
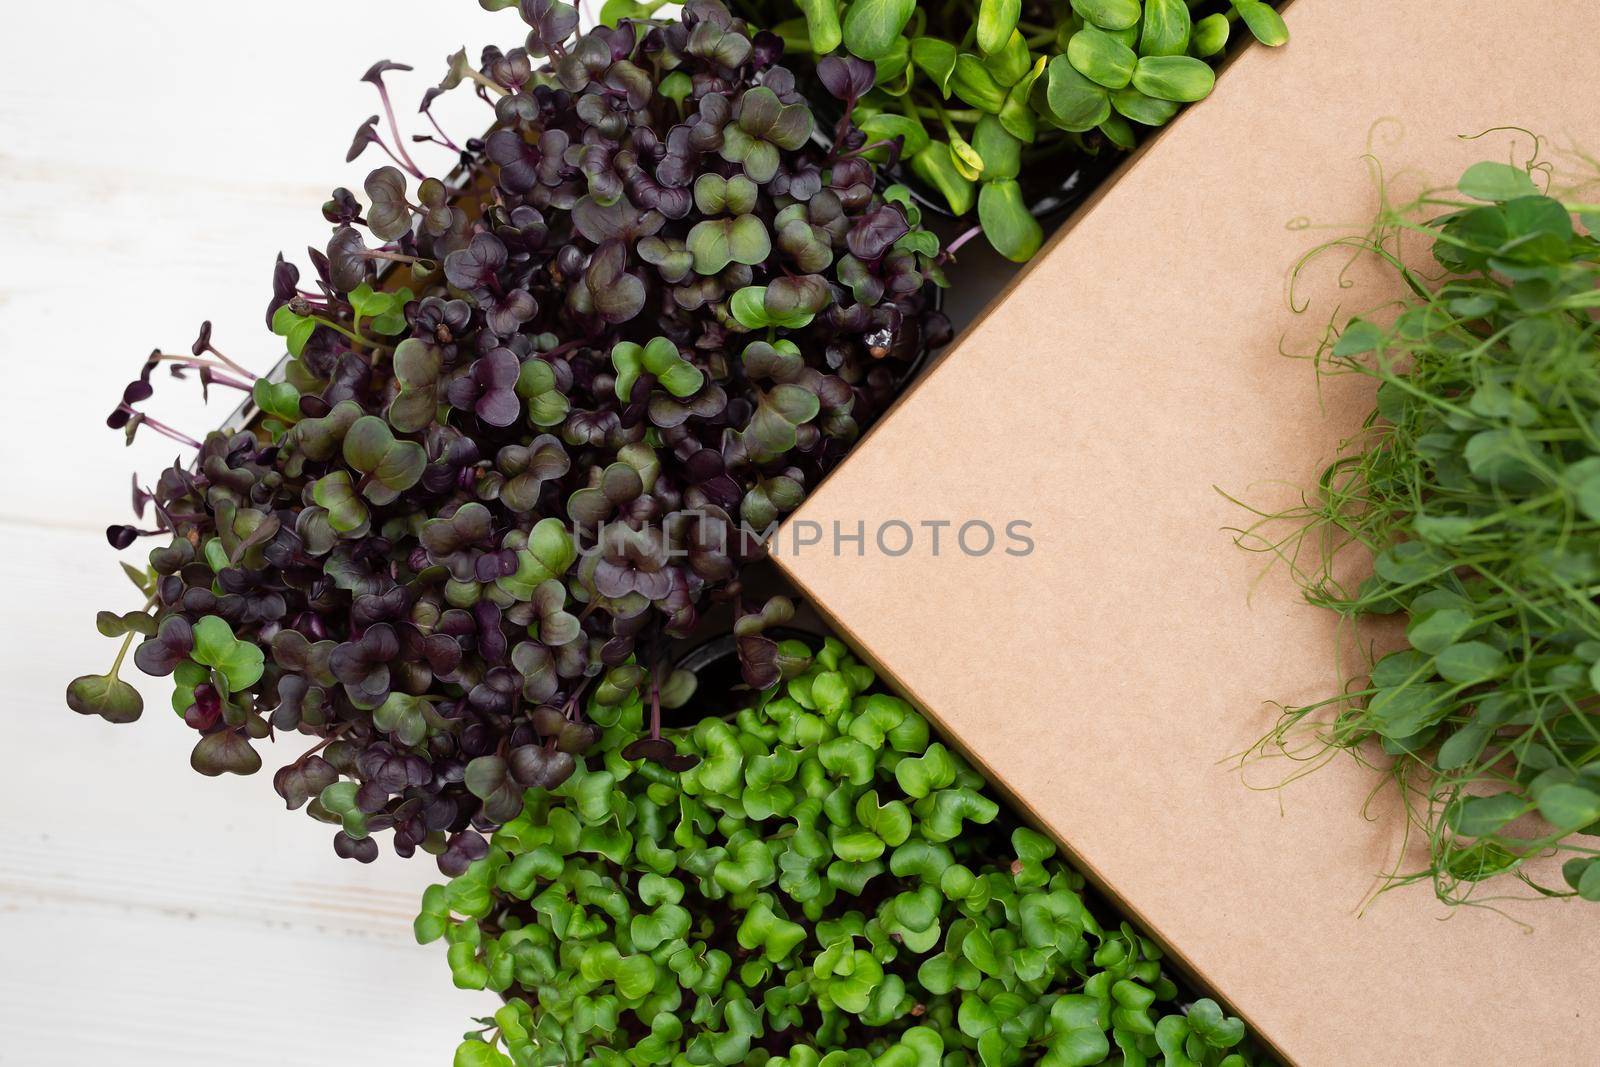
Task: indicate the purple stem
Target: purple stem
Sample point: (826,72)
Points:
(222,379)
(237,369)
(161,427)
(864,149)
(207,365)
(399,141)
(381,144)
(563,348)
(448,142)
(393,257)
(570,708)
(955,246)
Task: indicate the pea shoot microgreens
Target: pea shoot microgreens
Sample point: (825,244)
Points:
(1475,491)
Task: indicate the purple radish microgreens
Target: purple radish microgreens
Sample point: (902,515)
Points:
(525,412)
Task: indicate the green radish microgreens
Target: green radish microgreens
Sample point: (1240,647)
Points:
(1475,491)
(827,886)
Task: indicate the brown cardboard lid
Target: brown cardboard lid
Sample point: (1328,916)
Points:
(1106,679)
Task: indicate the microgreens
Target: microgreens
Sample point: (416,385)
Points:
(826,884)
(505,465)
(1476,491)
(983,97)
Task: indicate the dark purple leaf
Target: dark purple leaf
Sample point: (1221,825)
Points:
(875,232)
(477,266)
(846,77)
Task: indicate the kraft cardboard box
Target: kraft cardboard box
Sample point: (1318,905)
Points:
(1106,678)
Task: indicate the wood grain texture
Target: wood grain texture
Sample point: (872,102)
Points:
(155,155)
(188,920)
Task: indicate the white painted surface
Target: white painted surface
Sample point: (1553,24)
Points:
(154,156)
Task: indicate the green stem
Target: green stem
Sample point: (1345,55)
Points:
(492,86)
(967,115)
(116,664)
(357,338)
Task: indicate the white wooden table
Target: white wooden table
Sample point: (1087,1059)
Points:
(154,156)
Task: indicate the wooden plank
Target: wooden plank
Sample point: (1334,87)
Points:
(196,920)
(95,986)
(150,916)
(158,191)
